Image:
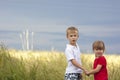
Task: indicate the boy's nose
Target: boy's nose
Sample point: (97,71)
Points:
(73,37)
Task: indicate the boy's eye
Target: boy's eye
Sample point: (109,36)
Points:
(75,35)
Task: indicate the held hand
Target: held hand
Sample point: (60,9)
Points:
(86,72)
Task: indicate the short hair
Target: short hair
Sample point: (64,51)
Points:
(71,29)
(99,45)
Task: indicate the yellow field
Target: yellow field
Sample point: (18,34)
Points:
(47,65)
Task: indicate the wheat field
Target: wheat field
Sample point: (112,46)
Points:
(47,65)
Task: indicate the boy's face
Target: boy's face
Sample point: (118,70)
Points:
(72,37)
(98,52)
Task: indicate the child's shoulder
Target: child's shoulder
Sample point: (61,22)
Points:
(68,46)
(102,58)
(68,49)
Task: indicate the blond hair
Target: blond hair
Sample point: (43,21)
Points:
(71,29)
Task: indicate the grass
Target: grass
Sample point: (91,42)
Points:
(46,65)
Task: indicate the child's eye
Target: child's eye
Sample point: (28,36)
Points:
(75,35)
(98,49)
(71,35)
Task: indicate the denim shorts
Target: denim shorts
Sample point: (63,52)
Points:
(73,76)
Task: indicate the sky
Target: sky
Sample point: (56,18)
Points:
(95,19)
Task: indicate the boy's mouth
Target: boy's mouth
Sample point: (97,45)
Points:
(73,40)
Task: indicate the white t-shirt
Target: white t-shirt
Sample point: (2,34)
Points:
(73,52)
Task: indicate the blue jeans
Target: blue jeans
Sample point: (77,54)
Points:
(73,76)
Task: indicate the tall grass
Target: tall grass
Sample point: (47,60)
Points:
(46,65)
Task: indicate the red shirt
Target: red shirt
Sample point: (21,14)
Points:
(102,74)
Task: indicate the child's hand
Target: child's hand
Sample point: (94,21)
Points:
(87,73)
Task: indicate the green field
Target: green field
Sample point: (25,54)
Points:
(46,65)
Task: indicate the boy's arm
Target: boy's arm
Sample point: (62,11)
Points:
(97,69)
(75,63)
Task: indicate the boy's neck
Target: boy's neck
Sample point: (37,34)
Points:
(73,44)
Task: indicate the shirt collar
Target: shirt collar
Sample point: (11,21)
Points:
(69,45)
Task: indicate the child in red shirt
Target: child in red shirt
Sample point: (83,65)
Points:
(99,67)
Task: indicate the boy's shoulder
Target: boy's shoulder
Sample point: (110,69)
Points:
(69,47)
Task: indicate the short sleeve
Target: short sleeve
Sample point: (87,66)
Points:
(102,61)
(69,54)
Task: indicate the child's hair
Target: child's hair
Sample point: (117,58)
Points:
(98,45)
(71,30)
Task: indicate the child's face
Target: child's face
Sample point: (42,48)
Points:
(98,52)
(72,37)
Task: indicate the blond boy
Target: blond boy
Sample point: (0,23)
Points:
(74,68)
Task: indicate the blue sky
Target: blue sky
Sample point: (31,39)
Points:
(96,19)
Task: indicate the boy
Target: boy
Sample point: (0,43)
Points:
(72,52)
(99,68)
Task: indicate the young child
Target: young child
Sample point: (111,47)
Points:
(99,68)
(72,52)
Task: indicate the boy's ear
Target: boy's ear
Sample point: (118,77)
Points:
(67,36)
